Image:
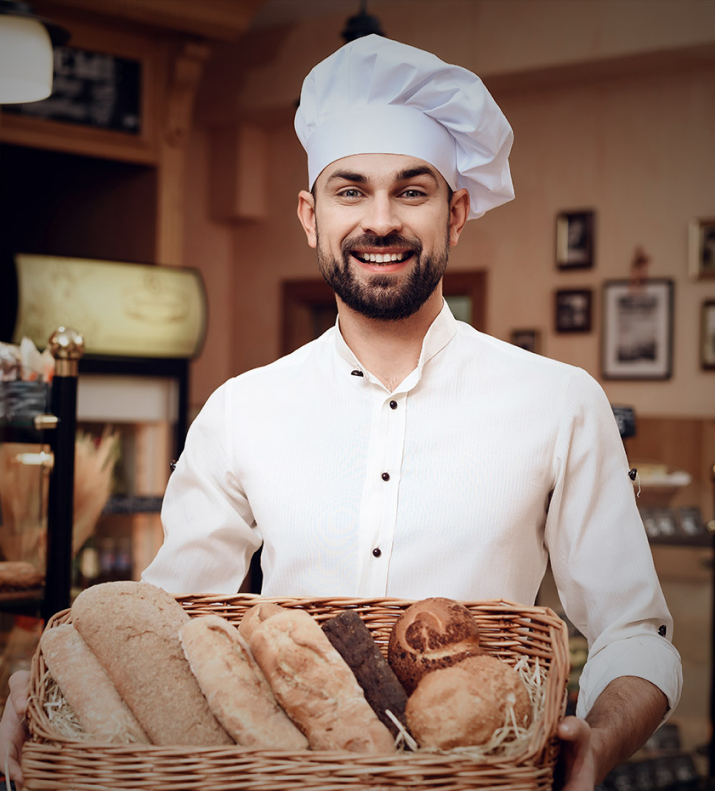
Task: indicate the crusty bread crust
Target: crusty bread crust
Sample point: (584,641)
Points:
(255,616)
(89,691)
(315,686)
(464,704)
(431,634)
(133,629)
(234,686)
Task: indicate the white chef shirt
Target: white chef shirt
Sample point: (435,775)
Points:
(460,483)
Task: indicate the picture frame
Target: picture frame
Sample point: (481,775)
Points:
(573,310)
(575,239)
(701,248)
(637,341)
(528,339)
(707,335)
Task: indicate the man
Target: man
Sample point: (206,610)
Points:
(403,453)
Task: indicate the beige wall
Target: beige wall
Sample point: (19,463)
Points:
(613,106)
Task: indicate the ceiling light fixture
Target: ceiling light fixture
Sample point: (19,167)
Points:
(26,42)
(362,24)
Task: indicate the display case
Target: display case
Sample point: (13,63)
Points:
(37,454)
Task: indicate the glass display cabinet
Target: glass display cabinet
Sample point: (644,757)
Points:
(37,451)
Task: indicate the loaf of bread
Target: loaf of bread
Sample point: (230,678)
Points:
(255,616)
(87,688)
(315,686)
(352,640)
(234,686)
(133,630)
(463,705)
(16,575)
(431,634)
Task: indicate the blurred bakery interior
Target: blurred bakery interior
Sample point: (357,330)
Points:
(147,226)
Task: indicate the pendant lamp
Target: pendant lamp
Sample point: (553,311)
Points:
(26,43)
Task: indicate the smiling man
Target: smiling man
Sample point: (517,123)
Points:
(403,453)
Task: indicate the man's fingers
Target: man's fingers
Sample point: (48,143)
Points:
(19,683)
(12,727)
(573,729)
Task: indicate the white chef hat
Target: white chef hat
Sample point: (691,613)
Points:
(378,96)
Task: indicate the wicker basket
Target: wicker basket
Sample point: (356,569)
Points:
(508,631)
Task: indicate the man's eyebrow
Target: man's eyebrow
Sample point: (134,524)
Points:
(346,175)
(412,173)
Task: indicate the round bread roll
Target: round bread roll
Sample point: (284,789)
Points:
(463,705)
(431,634)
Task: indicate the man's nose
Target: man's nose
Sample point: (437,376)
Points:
(381,217)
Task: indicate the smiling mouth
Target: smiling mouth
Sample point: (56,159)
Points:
(382,258)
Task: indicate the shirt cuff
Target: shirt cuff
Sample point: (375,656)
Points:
(651,657)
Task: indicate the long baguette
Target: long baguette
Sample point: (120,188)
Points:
(235,687)
(315,686)
(87,688)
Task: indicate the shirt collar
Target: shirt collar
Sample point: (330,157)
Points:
(439,334)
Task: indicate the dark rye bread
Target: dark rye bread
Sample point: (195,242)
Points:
(133,629)
(353,641)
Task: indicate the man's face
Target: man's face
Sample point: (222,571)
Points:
(382,225)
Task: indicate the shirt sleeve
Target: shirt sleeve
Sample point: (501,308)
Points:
(209,530)
(600,556)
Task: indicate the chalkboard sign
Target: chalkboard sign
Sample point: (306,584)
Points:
(90,89)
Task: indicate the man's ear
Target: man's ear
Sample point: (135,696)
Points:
(458,215)
(306,215)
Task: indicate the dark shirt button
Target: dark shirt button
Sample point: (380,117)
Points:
(385,476)
(393,404)
(662,630)
(377,552)
(356,372)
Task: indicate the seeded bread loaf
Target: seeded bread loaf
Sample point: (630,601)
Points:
(133,629)
(87,688)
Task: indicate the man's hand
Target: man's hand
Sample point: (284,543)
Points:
(577,764)
(12,727)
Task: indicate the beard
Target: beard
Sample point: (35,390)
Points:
(386,297)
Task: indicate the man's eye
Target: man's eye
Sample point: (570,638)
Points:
(349,193)
(413,194)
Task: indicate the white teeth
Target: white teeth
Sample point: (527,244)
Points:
(380,258)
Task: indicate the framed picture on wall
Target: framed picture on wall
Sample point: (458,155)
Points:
(575,239)
(572,310)
(527,339)
(637,338)
(707,335)
(701,248)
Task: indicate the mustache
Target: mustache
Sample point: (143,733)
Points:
(391,240)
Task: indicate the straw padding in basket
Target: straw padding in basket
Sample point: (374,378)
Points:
(509,631)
